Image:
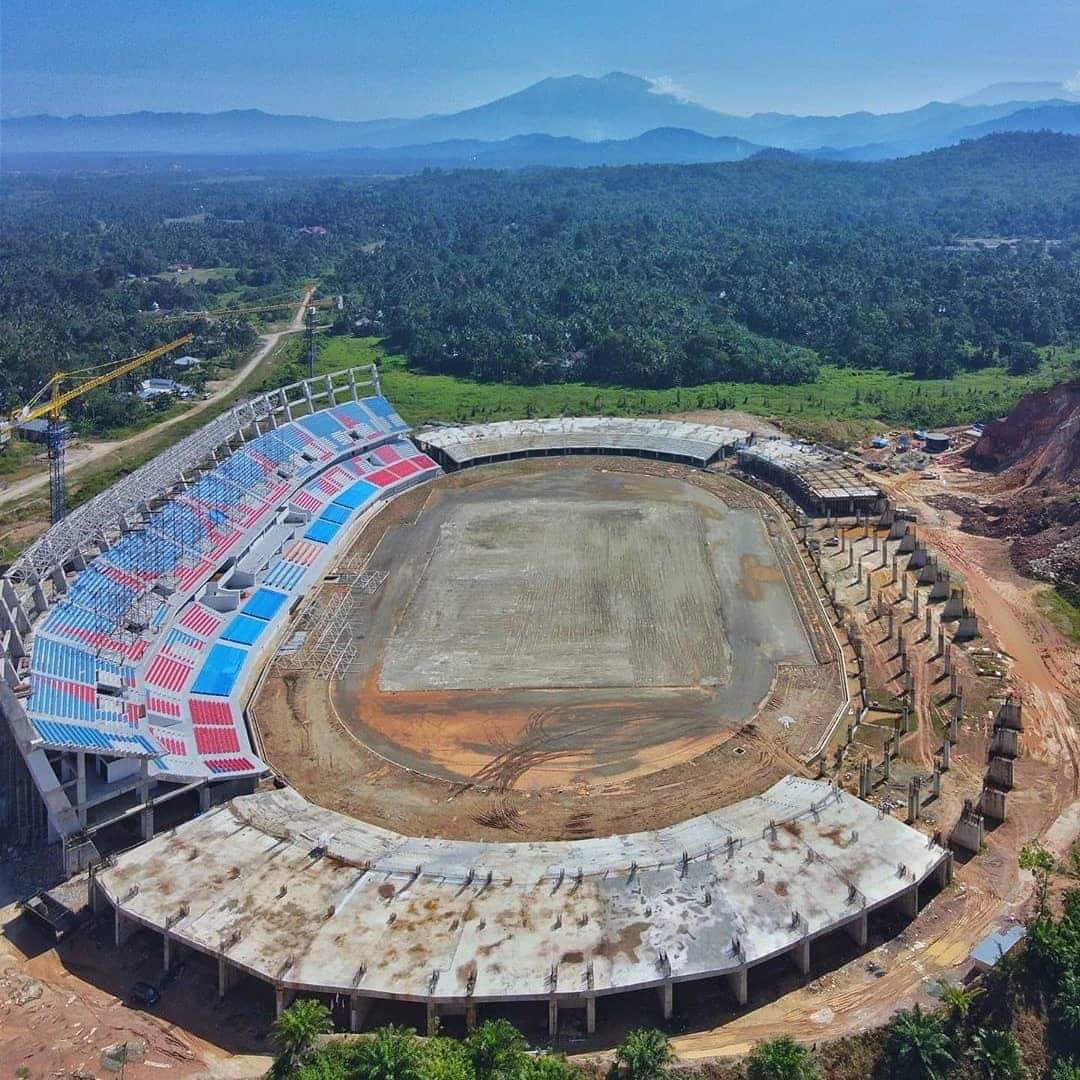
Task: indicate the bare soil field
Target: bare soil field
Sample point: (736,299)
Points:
(478,689)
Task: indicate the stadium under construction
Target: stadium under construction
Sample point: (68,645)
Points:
(138,630)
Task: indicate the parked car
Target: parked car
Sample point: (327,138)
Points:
(145,994)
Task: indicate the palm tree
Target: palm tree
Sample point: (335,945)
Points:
(959,999)
(645,1054)
(390,1054)
(296,1028)
(781,1058)
(496,1049)
(997,1054)
(917,1046)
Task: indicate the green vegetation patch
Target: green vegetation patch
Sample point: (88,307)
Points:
(840,406)
(1062,609)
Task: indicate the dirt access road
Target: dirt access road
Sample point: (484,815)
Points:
(88,453)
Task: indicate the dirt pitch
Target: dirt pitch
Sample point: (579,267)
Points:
(640,631)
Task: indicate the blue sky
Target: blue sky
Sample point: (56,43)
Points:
(359,59)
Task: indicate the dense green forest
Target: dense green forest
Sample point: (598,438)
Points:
(650,276)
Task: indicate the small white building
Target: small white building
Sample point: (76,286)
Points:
(186,363)
(152,388)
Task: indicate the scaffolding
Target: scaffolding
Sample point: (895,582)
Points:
(325,641)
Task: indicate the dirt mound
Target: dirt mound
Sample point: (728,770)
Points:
(1035,451)
(1038,442)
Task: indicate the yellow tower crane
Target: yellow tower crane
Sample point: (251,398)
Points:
(49,403)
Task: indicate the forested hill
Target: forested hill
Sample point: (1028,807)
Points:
(644,275)
(661,275)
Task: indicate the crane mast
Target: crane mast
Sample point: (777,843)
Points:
(52,410)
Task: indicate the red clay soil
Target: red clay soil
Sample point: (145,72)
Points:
(1035,455)
(1038,441)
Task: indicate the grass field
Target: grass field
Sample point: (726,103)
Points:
(198,275)
(840,405)
(1061,611)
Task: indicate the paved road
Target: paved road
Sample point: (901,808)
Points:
(86,453)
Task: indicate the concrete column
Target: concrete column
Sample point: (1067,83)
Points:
(166,959)
(858,929)
(737,981)
(667,999)
(801,955)
(432,1018)
(80,788)
(223,973)
(944,871)
(147,820)
(120,928)
(204,798)
(903,586)
(929,626)
(895,570)
(590,1015)
(553,1018)
(946,755)
(954,729)
(282,999)
(910,900)
(935,783)
(915,601)
(360,1006)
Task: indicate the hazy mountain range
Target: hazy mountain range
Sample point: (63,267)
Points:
(576,120)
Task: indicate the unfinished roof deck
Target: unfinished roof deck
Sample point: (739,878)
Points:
(822,474)
(307,899)
(671,439)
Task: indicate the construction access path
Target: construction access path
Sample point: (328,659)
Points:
(87,453)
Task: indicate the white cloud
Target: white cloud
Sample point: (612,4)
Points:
(665,84)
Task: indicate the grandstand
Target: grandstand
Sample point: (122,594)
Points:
(129,649)
(667,440)
(308,901)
